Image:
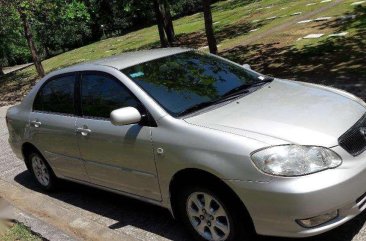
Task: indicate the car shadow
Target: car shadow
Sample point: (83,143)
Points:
(120,210)
(124,211)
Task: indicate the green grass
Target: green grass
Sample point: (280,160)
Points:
(222,13)
(233,21)
(345,8)
(19,232)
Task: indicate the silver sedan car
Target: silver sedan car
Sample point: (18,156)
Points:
(229,151)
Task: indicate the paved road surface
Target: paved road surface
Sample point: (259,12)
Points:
(90,214)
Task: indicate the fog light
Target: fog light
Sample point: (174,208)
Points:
(318,220)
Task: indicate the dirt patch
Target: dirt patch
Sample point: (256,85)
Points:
(5,225)
(14,87)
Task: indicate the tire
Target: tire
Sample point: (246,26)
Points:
(227,220)
(41,171)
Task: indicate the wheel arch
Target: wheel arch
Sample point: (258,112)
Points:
(189,175)
(27,148)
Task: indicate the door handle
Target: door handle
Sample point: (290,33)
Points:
(36,123)
(83,131)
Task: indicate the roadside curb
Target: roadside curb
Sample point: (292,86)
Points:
(47,214)
(38,227)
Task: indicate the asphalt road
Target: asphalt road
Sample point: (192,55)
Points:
(124,217)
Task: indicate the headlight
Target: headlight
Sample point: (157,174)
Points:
(295,160)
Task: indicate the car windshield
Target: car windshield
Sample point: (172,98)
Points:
(191,79)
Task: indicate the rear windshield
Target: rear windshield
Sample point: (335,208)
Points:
(181,81)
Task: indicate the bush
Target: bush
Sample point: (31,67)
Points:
(186,7)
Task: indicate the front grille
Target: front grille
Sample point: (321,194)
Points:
(361,198)
(354,140)
(361,202)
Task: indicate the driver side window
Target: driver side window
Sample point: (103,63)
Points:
(101,94)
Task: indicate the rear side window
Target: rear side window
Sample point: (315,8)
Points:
(57,96)
(101,94)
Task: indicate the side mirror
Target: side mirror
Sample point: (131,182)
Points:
(125,116)
(246,66)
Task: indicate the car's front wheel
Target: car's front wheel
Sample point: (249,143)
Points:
(41,171)
(213,215)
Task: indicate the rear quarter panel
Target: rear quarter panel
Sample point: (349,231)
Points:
(18,122)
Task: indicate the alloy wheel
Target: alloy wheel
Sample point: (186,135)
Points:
(40,171)
(208,216)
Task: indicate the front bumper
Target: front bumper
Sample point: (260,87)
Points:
(276,205)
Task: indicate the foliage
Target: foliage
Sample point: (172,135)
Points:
(185,7)
(61,25)
(55,25)
(13,47)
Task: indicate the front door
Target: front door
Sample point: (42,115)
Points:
(117,157)
(52,124)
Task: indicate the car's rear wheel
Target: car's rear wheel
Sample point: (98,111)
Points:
(41,171)
(212,215)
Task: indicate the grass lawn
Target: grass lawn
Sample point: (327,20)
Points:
(17,232)
(275,48)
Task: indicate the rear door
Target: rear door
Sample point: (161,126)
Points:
(52,125)
(117,157)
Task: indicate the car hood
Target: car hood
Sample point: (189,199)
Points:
(290,112)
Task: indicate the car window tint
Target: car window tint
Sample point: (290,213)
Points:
(57,96)
(100,95)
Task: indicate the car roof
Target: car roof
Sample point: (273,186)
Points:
(126,59)
(129,59)
(123,60)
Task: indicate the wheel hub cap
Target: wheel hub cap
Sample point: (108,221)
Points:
(208,216)
(40,171)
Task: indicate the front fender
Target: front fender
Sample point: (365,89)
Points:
(185,146)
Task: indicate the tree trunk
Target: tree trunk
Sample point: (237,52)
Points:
(169,27)
(209,26)
(32,47)
(167,22)
(47,51)
(160,23)
(96,30)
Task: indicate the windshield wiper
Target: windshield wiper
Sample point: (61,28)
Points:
(206,104)
(197,107)
(265,78)
(245,88)
(231,94)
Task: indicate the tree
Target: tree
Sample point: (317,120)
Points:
(61,25)
(160,24)
(164,21)
(5,39)
(211,39)
(32,47)
(118,16)
(168,22)
(13,46)
(95,25)
(24,9)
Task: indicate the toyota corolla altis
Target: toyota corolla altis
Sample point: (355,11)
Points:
(228,150)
